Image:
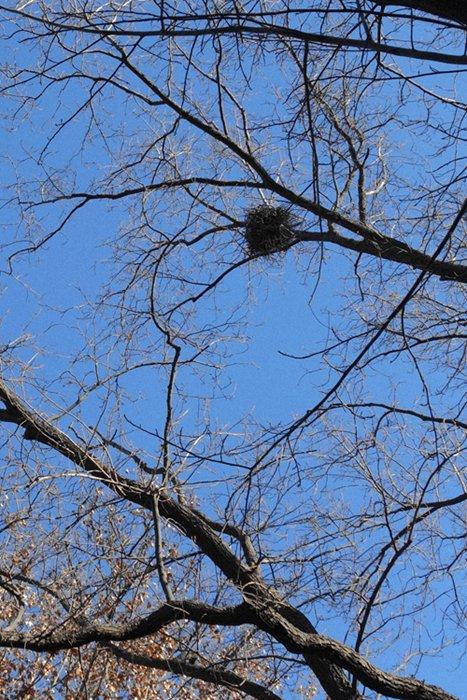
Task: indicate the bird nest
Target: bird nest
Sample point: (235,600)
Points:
(268,229)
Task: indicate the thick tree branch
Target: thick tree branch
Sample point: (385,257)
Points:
(386,683)
(233,29)
(455,10)
(394,250)
(218,676)
(270,618)
(67,637)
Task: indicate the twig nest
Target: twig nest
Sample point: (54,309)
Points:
(268,229)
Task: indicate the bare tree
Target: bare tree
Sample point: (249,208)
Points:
(174,170)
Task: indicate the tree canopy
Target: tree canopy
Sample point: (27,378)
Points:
(233,349)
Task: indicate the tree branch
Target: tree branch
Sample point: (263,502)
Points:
(60,638)
(268,30)
(448,9)
(217,676)
(394,250)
